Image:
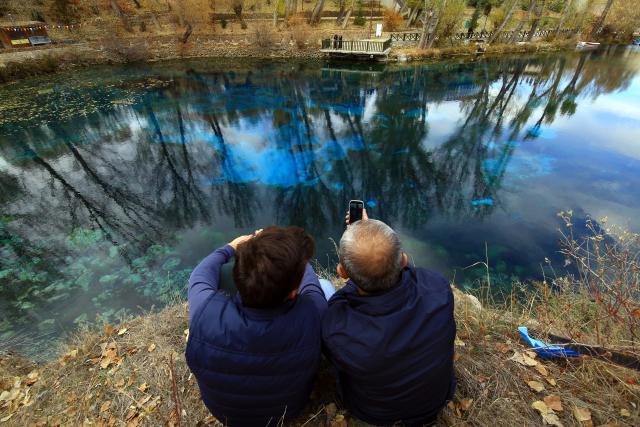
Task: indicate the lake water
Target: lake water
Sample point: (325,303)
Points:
(115,182)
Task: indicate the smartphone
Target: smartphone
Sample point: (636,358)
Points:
(355,210)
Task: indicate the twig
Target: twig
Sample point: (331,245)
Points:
(176,398)
(315,415)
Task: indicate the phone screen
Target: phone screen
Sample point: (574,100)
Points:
(355,210)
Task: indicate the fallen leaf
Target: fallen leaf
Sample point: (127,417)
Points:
(553,401)
(465,404)
(31,378)
(581,414)
(551,381)
(143,387)
(541,370)
(122,331)
(151,348)
(109,330)
(531,354)
(636,313)
(458,342)
(105,406)
(70,355)
(625,412)
(535,385)
(552,419)
(502,347)
(523,359)
(548,416)
(186,335)
(5,419)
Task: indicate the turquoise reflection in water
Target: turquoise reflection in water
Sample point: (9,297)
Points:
(114,182)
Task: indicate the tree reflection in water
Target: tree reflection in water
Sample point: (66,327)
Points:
(115,189)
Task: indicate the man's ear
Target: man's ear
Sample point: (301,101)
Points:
(405,260)
(292,295)
(341,272)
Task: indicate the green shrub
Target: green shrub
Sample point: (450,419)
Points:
(556,5)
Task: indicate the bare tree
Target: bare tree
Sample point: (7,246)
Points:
(536,20)
(120,14)
(563,17)
(597,27)
(237,6)
(317,12)
(504,22)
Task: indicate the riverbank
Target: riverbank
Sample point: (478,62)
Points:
(18,65)
(135,374)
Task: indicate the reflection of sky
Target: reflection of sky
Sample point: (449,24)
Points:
(609,123)
(298,158)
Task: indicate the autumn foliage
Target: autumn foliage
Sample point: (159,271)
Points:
(392,20)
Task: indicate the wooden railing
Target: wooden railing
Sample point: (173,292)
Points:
(368,46)
(484,35)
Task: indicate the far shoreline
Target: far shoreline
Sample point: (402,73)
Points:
(78,57)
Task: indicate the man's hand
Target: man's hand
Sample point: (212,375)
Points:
(241,239)
(364,216)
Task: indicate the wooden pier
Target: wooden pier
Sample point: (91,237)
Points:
(373,49)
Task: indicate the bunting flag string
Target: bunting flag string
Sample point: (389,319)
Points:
(40,27)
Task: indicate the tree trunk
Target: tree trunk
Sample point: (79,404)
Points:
(504,23)
(563,17)
(287,10)
(532,6)
(600,22)
(536,21)
(317,12)
(120,14)
(156,23)
(424,37)
(341,12)
(436,18)
(187,33)
(345,20)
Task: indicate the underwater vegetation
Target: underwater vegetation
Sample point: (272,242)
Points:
(115,182)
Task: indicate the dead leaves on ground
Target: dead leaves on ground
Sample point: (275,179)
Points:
(553,401)
(17,395)
(109,355)
(525,359)
(536,386)
(549,417)
(460,406)
(582,415)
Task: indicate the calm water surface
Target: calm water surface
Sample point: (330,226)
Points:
(115,182)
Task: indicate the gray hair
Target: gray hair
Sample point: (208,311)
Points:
(371,255)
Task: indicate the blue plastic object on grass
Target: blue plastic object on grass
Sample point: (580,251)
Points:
(545,350)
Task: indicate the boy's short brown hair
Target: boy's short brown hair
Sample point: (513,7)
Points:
(269,266)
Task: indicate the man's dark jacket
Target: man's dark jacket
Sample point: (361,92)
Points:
(393,351)
(253,366)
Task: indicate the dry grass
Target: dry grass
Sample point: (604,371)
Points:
(136,374)
(492,389)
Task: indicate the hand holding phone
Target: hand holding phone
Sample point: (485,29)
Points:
(356,212)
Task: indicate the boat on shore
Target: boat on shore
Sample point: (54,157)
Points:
(587,45)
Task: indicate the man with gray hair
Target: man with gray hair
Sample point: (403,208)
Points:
(390,331)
